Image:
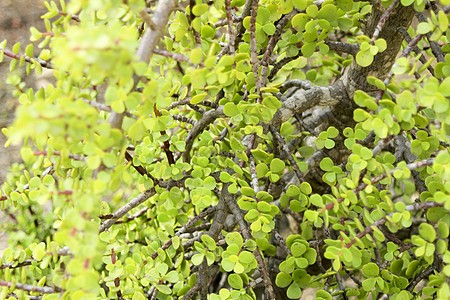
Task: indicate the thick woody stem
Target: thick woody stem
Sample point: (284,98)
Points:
(383,20)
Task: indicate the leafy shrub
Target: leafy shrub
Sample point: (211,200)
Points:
(231,150)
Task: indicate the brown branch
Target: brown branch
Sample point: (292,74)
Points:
(277,67)
(183,119)
(230,25)
(32,288)
(73,17)
(13,265)
(412,207)
(144,15)
(416,49)
(435,48)
(272,43)
(240,27)
(191,18)
(425,274)
(126,208)
(303,84)
(183,229)
(285,149)
(208,118)
(253,175)
(176,56)
(57,153)
(43,63)
(147,45)
(192,292)
(166,144)
(343,47)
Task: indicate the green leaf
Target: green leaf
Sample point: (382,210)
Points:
(246,257)
(198,98)
(29,50)
(423,28)
(321,294)
(197,259)
(283,280)
(234,238)
(207,32)
(328,12)
(312,11)
(369,284)
(381,45)
(298,249)
(230,109)
(364,58)
(277,165)
(196,58)
(300,4)
(326,164)
(269,28)
(299,21)
(427,232)
(209,241)
(308,49)
(306,151)
(306,188)
(16,48)
(164,289)
(235,281)
(294,291)
(200,9)
(371,270)
(225,177)
(138,296)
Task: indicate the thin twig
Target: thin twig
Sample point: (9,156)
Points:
(126,208)
(272,43)
(208,118)
(416,49)
(435,48)
(57,153)
(378,223)
(32,288)
(183,229)
(285,149)
(183,119)
(362,186)
(280,64)
(43,63)
(73,17)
